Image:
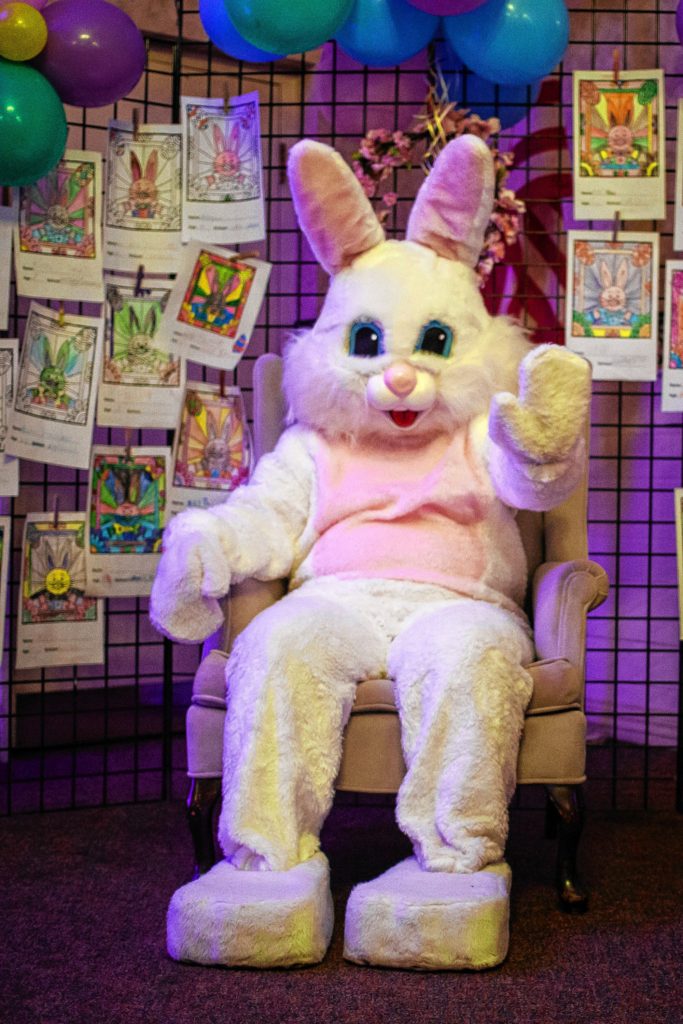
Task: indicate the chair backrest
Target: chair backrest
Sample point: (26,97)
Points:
(560,535)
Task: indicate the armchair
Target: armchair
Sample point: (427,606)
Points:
(564,587)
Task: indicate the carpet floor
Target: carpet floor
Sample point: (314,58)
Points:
(84,896)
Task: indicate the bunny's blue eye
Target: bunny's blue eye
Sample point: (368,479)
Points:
(366,338)
(436,338)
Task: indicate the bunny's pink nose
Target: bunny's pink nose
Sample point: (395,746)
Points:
(400,378)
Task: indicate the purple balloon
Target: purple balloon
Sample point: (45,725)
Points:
(447,7)
(38,4)
(95,53)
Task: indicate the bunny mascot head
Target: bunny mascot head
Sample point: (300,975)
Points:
(418,424)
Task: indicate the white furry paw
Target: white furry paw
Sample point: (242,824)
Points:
(544,424)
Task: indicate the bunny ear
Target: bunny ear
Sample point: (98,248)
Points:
(333,211)
(218,139)
(151,321)
(135,167)
(152,166)
(605,275)
(454,204)
(133,320)
(211,277)
(235,136)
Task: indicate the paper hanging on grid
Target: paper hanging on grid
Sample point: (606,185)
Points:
(9,467)
(142,383)
(8,221)
(223,199)
(611,316)
(212,309)
(678,190)
(672,356)
(53,411)
(212,451)
(58,240)
(619,152)
(127,512)
(5,548)
(142,207)
(57,622)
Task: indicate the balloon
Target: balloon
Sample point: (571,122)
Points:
(511,43)
(381,33)
(95,53)
(509,103)
(446,7)
(32,125)
(38,4)
(224,35)
(23,32)
(279,27)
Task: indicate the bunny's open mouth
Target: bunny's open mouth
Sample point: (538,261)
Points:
(403,417)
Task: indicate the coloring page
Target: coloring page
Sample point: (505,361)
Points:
(142,383)
(612,302)
(54,402)
(678,192)
(8,221)
(58,241)
(214,305)
(672,356)
(57,623)
(142,209)
(619,145)
(127,510)
(9,467)
(222,176)
(5,548)
(212,454)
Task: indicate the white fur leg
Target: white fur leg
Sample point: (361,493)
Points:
(430,920)
(461,696)
(253,918)
(292,678)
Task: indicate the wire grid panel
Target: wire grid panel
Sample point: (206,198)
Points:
(88,736)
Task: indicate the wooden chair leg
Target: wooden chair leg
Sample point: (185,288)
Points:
(567,804)
(201,801)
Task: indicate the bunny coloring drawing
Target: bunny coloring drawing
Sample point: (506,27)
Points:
(143,197)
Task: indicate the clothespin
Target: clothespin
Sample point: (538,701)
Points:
(55,513)
(60,315)
(226,97)
(616,225)
(616,64)
(136,123)
(221,379)
(126,444)
(139,278)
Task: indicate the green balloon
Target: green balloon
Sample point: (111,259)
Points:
(288,27)
(32,125)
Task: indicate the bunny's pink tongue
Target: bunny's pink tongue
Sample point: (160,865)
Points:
(403,417)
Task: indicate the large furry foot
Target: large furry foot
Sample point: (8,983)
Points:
(430,920)
(253,918)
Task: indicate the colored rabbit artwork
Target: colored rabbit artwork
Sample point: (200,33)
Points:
(54,372)
(57,214)
(213,450)
(418,425)
(54,581)
(134,355)
(216,295)
(126,510)
(223,191)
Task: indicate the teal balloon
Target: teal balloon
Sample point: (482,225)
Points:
(509,103)
(220,30)
(382,33)
(279,27)
(511,42)
(32,125)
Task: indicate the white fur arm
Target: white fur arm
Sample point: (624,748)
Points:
(254,533)
(536,449)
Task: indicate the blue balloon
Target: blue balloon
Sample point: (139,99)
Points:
(511,42)
(382,33)
(509,103)
(223,34)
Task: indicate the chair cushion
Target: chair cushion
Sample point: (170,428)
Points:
(557,687)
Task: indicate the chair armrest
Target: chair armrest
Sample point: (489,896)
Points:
(243,603)
(563,594)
